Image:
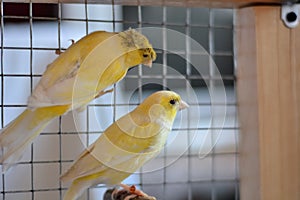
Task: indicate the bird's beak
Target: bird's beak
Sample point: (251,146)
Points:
(183,105)
(148,63)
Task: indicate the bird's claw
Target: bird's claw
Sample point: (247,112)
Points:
(58,51)
(125,194)
(134,191)
(103,92)
(72,41)
(115,192)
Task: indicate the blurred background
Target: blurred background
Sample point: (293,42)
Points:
(200,160)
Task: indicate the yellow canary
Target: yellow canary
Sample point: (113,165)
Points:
(71,81)
(126,145)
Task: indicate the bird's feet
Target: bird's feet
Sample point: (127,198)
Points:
(58,51)
(132,190)
(103,92)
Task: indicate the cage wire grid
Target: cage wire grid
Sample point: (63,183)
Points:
(33,179)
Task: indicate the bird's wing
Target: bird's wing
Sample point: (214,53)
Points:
(75,74)
(113,153)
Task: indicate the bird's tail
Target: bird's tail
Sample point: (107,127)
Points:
(21,132)
(76,189)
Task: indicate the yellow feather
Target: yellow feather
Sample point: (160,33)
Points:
(126,145)
(71,81)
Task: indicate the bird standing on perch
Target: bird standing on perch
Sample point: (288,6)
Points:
(71,81)
(125,146)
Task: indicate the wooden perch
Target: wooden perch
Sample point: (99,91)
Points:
(122,194)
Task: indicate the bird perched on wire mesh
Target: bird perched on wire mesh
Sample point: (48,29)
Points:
(125,146)
(71,81)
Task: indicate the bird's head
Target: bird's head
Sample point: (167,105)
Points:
(163,104)
(139,50)
(148,55)
(170,101)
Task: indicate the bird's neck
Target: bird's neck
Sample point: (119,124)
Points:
(133,58)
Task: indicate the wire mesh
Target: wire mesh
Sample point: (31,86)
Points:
(28,46)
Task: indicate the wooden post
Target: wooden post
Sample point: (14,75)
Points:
(269,105)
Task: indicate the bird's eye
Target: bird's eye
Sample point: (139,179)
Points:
(145,55)
(172,101)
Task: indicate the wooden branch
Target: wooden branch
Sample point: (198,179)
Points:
(122,194)
(183,3)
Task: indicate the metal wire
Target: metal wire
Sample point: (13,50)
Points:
(61,161)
